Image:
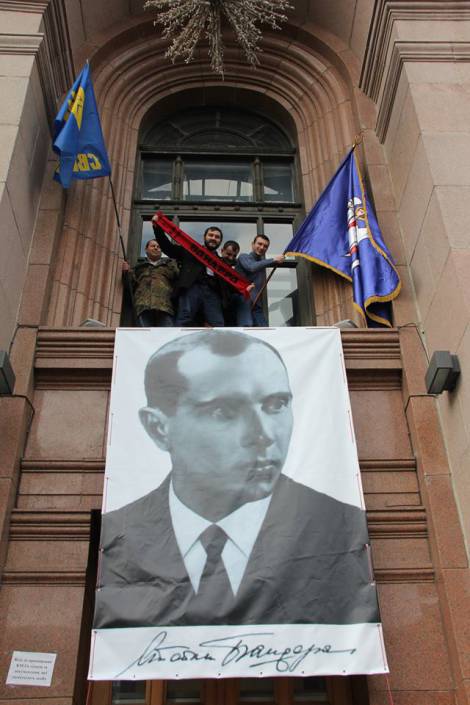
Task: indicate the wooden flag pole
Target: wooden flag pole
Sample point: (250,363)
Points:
(124,253)
(260,292)
(127,279)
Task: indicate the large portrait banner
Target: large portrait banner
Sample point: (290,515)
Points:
(234,539)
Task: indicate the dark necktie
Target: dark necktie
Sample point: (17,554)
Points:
(214,598)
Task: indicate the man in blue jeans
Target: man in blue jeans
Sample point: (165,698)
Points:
(198,290)
(253,265)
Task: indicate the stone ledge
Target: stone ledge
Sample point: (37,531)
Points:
(80,358)
(409,522)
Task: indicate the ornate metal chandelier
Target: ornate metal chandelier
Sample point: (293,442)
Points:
(185,22)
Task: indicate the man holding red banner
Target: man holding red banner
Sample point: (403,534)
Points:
(203,278)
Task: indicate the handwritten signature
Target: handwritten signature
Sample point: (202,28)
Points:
(239,647)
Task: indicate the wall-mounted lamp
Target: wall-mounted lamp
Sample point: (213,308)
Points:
(442,373)
(7,376)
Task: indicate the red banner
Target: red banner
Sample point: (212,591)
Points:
(204,255)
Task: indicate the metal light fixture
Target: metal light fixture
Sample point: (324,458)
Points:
(442,373)
(185,22)
(7,376)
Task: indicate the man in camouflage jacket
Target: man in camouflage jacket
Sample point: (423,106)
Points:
(153,283)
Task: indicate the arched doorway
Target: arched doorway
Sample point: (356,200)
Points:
(230,167)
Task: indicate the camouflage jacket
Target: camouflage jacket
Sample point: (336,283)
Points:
(153,285)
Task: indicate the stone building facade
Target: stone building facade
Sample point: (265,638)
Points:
(396,72)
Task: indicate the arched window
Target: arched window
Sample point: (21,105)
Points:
(230,168)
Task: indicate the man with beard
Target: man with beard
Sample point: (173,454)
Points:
(198,290)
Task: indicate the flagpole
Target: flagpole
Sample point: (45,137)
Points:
(260,292)
(124,253)
(358,139)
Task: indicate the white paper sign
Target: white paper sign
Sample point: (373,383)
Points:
(31,668)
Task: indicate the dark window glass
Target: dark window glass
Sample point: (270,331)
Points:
(280,235)
(183,691)
(128,693)
(277,179)
(310,689)
(217,181)
(157,179)
(282,297)
(256,690)
(282,289)
(222,139)
(211,128)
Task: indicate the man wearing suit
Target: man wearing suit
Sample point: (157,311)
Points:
(228,539)
(199,291)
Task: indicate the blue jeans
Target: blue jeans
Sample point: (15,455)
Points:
(155,319)
(198,302)
(248,317)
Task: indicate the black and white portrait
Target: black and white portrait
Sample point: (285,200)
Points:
(250,509)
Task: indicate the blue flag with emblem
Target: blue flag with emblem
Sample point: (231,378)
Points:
(78,138)
(341,233)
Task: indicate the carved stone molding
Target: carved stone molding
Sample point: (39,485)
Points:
(387,464)
(49,526)
(30,465)
(77,578)
(20,43)
(56,65)
(53,578)
(51,47)
(409,522)
(386,54)
(403,52)
(78,358)
(403,522)
(24,6)
(97,465)
(404,575)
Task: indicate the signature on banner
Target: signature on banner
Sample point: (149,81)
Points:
(232,649)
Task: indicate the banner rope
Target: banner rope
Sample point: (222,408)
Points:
(89,693)
(389,690)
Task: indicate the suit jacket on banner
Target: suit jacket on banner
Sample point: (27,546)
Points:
(309,564)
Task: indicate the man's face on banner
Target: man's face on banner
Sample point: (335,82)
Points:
(230,434)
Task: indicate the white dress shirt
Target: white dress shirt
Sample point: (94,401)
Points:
(241,526)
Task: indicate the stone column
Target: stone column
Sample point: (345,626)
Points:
(417,70)
(34,72)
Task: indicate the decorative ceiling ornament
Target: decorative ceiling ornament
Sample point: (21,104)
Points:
(185,22)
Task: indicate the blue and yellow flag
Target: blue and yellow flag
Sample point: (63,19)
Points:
(341,233)
(78,138)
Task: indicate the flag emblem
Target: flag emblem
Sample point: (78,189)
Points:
(78,138)
(341,233)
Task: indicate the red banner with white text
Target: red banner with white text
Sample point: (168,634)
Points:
(211,260)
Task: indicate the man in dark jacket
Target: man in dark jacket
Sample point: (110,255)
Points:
(198,289)
(152,281)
